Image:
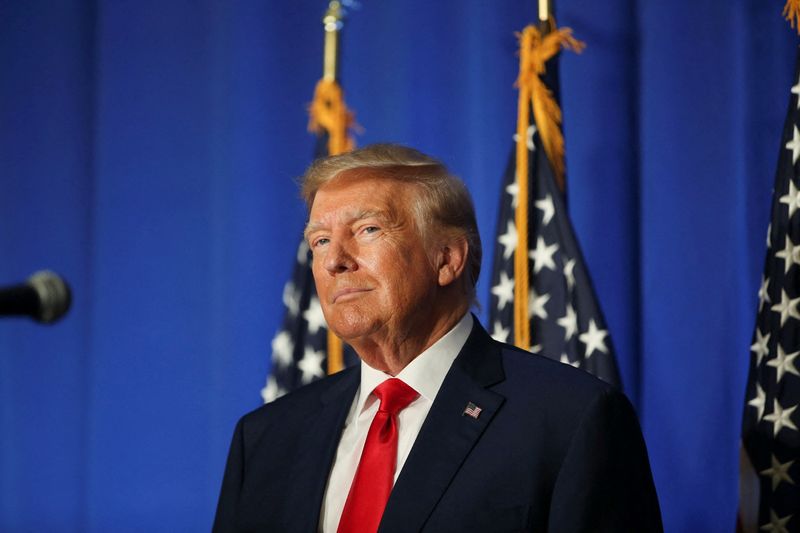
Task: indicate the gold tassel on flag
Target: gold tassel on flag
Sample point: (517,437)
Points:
(328,113)
(791,12)
(535,50)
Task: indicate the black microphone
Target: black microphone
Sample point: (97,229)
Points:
(45,297)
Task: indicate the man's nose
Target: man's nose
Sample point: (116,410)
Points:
(339,257)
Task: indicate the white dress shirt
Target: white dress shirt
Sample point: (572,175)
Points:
(425,375)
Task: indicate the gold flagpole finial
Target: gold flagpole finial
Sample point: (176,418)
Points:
(544,10)
(332,22)
(545,17)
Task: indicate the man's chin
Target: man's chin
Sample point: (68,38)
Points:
(348,335)
(352,332)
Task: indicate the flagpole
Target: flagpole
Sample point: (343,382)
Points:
(544,16)
(332,23)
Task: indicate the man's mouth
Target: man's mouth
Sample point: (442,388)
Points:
(342,295)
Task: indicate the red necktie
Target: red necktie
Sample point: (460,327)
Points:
(375,473)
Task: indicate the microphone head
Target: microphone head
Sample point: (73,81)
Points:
(54,295)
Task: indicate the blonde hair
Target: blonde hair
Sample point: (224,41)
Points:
(442,203)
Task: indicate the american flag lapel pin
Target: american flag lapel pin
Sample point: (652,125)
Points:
(472,410)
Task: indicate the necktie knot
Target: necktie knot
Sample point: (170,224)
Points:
(394,396)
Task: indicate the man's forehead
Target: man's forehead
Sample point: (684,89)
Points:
(362,192)
(356,177)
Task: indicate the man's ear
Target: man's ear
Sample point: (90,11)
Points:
(452,260)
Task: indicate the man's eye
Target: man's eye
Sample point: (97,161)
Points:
(319,242)
(371,229)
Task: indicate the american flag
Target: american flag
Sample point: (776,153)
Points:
(771,441)
(472,410)
(564,316)
(300,347)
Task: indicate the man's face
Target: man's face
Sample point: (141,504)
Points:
(374,277)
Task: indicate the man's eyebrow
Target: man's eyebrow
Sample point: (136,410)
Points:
(369,213)
(313,226)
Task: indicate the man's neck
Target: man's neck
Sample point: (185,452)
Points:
(393,355)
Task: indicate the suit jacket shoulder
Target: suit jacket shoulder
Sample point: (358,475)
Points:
(280,457)
(277,417)
(552,448)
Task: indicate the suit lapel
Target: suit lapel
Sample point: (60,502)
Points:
(447,435)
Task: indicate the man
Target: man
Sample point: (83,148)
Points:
(441,429)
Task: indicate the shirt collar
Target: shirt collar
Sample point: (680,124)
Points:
(426,372)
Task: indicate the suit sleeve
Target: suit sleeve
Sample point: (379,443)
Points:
(224,521)
(605,482)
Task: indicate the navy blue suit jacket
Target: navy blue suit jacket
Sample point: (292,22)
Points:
(553,449)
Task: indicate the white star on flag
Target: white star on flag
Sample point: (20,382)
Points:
(543,255)
(594,339)
(759,401)
(311,365)
(763,293)
(776,525)
(796,91)
(787,254)
(314,316)
(291,299)
(302,252)
(569,275)
(569,322)
(760,347)
(282,348)
(272,390)
(509,240)
(528,137)
(779,472)
(545,205)
(564,359)
(787,308)
(504,290)
(791,199)
(784,362)
(536,304)
(794,145)
(780,418)
(499,333)
(513,190)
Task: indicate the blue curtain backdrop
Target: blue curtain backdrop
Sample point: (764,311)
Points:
(148,150)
